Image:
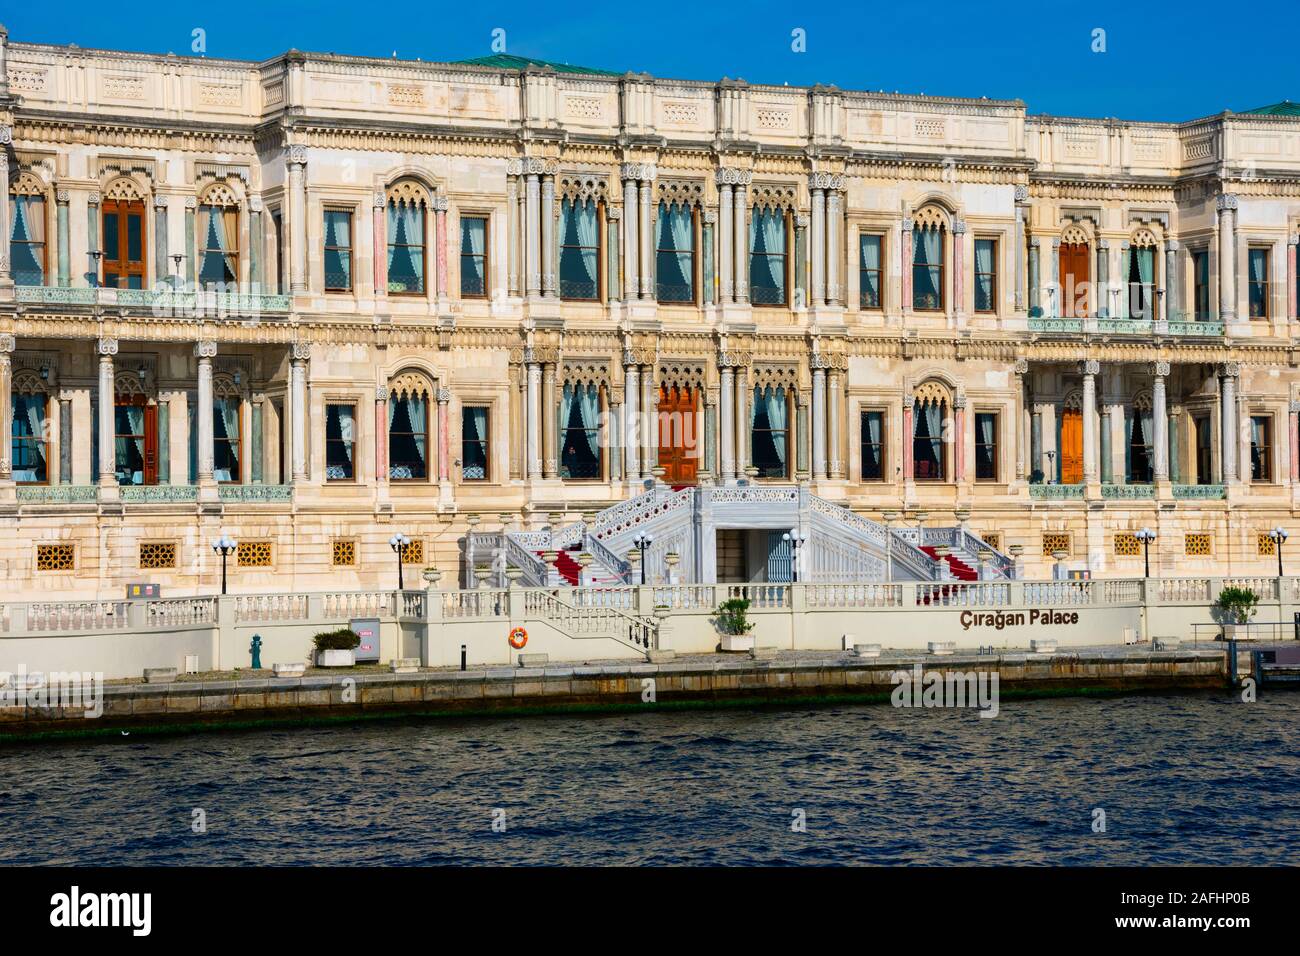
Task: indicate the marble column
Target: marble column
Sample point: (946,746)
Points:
(61,225)
(381,434)
(908,472)
(1160,420)
(440,204)
(1021,371)
(836,401)
(533,229)
(1226,205)
(1090,369)
(725,223)
(1035,295)
(6,228)
(834,244)
(107,469)
(1229,430)
(726,398)
(819,424)
(613,240)
(631,249)
(817,235)
(299,355)
(379,243)
(959,438)
(1102,298)
(92,239)
(631,425)
(1291,277)
(1115,425)
(905,265)
(1037,462)
(298,218)
(649,422)
(512,227)
(647,239)
(7,346)
(191,207)
(959,269)
(160,267)
(550,412)
(1173,301)
(1293,434)
(548,228)
(742,421)
(740,234)
(444,436)
(802,294)
(534,439)
(1022,197)
(1053,309)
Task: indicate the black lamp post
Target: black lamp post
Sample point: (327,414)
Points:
(1146,536)
(797,541)
(224,546)
(1279,536)
(398,543)
(642,542)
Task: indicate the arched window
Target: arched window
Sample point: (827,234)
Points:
(227,429)
(30,435)
(1141,275)
(579,249)
(675,253)
(408,428)
(768,250)
(581,456)
(928,251)
(135,438)
(1074,272)
(770,431)
(122,223)
(1139,449)
(930,409)
(408,210)
(27,246)
(218,238)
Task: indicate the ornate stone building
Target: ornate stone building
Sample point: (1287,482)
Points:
(319,300)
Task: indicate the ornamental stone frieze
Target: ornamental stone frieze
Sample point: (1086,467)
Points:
(106,346)
(1225,201)
(642,172)
(731,176)
(1160,369)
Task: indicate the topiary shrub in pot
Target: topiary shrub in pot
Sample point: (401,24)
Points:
(336,648)
(1237,606)
(735,625)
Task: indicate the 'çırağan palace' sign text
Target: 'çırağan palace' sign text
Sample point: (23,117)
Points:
(999,620)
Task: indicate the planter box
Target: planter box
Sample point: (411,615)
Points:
(335,658)
(866,650)
(940,647)
(289,670)
(159,675)
(737,642)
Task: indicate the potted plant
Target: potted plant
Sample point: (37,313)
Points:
(735,625)
(1238,606)
(336,648)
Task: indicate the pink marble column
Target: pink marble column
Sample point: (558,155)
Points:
(381,433)
(958,268)
(959,439)
(907,442)
(444,438)
(1291,279)
(1293,428)
(440,210)
(905,253)
(381,248)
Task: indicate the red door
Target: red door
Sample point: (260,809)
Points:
(1074,280)
(679,453)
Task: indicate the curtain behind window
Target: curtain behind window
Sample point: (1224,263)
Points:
(338,246)
(28,235)
(405,247)
(871,271)
(776,410)
(473,435)
(984,275)
(927,259)
(871,463)
(472,231)
(934,425)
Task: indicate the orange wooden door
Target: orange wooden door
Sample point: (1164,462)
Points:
(1071,446)
(678,451)
(1074,278)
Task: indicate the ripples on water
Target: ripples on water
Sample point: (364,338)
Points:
(1183,779)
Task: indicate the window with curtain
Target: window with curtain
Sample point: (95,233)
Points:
(928,448)
(1140,452)
(579,250)
(340,442)
(580,432)
(338,250)
(122,225)
(1257,264)
(275,264)
(1204,450)
(1261,448)
(226,435)
(873,446)
(218,240)
(408,436)
(986,446)
(767,255)
(674,262)
(29,445)
(769,431)
(927,268)
(129,443)
(27,239)
(406,250)
(1141,279)
(473,257)
(986,276)
(870,257)
(474,443)
(1201,284)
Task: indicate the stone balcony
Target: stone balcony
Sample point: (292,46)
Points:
(161,302)
(1143,328)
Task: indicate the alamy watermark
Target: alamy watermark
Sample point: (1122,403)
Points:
(932,689)
(68,690)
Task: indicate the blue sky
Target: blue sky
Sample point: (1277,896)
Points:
(1162,61)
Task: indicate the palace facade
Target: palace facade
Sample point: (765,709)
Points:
(318,301)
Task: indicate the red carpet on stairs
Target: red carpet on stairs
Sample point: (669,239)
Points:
(569,569)
(960,569)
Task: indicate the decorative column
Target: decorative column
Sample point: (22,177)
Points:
(631,253)
(1291,279)
(298,218)
(61,225)
(803,297)
(1103,278)
(92,237)
(817,234)
(1054,280)
(1021,372)
(256,242)
(725,399)
(649,422)
(6,228)
(512,227)
(647,228)
(533,218)
(741,236)
(959,270)
(1175,416)
(742,421)
(1293,433)
(379,229)
(534,440)
(191,205)
(107,348)
(160,267)
(549,412)
(1160,419)
(1226,205)
(1036,462)
(819,422)
(440,204)
(381,434)
(907,440)
(725,223)
(1035,295)
(1022,198)
(836,400)
(613,216)
(834,241)
(299,354)
(905,265)
(1115,426)
(631,426)
(548,228)
(7,345)
(444,435)
(65,437)
(1173,301)
(959,438)
(1090,369)
(709,225)
(1229,432)
(802,452)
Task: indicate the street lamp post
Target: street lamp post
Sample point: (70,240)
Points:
(1278,536)
(224,546)
(642,543)
(797,541)
(398,543)
(1146,536)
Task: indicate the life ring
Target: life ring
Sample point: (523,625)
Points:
(518,638)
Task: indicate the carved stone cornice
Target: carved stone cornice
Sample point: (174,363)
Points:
(1160,369)
(1225,201)
(731,176)
(205,349)
(106,347)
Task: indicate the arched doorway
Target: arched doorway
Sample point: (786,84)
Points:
(1071,449)
(679,454)
(1075,274)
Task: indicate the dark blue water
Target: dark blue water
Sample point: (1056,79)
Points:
(1182,779)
